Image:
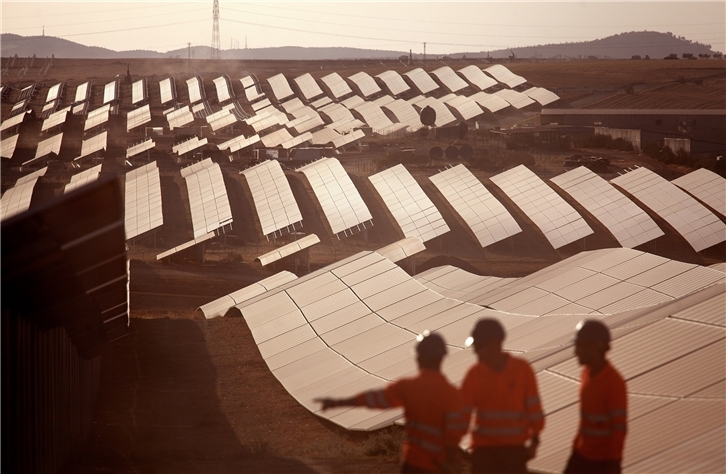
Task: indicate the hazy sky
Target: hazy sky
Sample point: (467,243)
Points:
(396,25)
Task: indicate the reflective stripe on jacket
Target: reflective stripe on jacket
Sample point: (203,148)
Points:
(434,415)
(603,415)
(506,404)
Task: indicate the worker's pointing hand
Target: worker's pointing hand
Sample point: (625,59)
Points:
(327,402)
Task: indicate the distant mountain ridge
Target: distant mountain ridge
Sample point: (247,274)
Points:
(622,46)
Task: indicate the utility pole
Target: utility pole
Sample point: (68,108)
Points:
(216,47)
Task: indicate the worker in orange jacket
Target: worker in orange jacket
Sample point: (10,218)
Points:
(501,391)
(433,409)
(598,446)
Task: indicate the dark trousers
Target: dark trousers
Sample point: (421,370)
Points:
(409,469)
(499,460)
(579,465)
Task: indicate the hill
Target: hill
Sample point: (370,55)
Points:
(623,46)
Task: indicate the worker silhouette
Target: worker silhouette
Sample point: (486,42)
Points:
(598,446)
(433,410)
(501,393)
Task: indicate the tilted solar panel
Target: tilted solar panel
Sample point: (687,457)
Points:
(275,204)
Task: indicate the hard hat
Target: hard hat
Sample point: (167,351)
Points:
(485,330)
(592,330)
(430,345)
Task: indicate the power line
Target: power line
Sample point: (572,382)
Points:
(132,29)
(76,12)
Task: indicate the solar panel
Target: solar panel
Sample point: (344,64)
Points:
(401,249)
(253,91)
(142,200)
(48,146)
(337,85)
(487,218)
(421,80)
(505,76)
(221,119)
(166,90)
(622,217)
(7,146)
(707,186)
(699,226)
(377,119)
(560,223)
(55,119)
(18,107)
(207,197)
(180,117)
(275,204)
(138,91)
(16,120)
(138,117)
(412,209)
(541,95)
(220,306)
(289,249)
(239,143)
(336,112)
(476,76)
(383,100)
(465,107)
(97,117)
(365,83)
(223,89)
(490,102)
(182,148)
(280,87)
(83,178)
(82,92)
(394,82)
(443,114)
(257,106)
(308,87)
(321,102)
(17,199)
(449,79)
(134,150)
(342,205)
(196,89)
(110,92)
(515,99)
(93,144)
(53,93)
(305,123)
(185,245)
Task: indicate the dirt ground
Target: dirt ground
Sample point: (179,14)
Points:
(181,394)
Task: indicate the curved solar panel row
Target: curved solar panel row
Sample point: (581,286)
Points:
(342,205)
(707,186)
(560,222)
(487,218)
(142,200)
(207,197)
(17,199)
(412,209)
(504,75)
(622,217)
(604,281)
(699,226)
(365,83)
(81,179)
(275,204)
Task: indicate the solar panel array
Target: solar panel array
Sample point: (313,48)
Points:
(93,144)
(514,98)
(239,143)
(288,249)
(466,108)
(443,114)
(7,146)
(365,83)
(412,209)
(275,204)
(405,113)
(179,117)
(138,117)
(110,92)
(449,79)
(134,150)
(504,75)
(308,87)
(284,139)
(376,118)
(490,102)
(394,82)
(97,117)
(541,95)
(83,178)
(138,91)
(487,218)
(186,245)
(14,121)
(342,205)
(47,146)
(142,200)
(337,85)
(53,92)
(401,249)
(223,89)
(195,86)
(207,197)
(187,146)
(476,76)
(221,119)
(560,223)
(699,226)
(17,199)
(623,218)
(166,90)
(252,88)
(82,92)
(421,80)
(280,87)
(55,119)
(707,186)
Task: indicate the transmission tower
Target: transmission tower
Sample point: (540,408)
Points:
(216,48)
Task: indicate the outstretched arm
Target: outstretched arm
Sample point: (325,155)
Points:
(337,402)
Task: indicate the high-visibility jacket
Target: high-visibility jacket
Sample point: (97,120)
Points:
(506,404)
(434,414)
(603,415)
